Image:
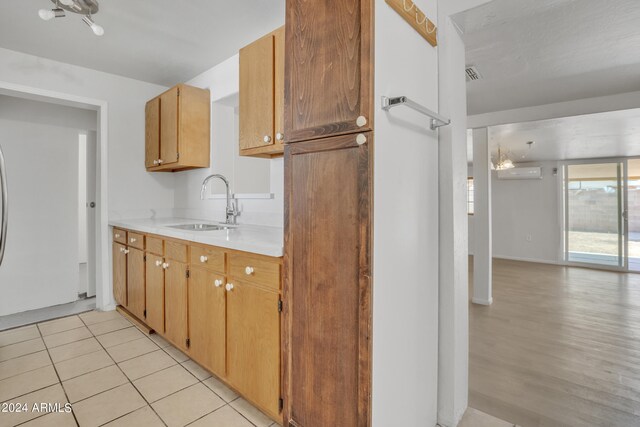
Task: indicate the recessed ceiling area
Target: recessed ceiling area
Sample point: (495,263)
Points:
(602,135)
(160,41)
(545,51)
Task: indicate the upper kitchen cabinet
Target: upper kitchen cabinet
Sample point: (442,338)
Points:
(177,130)
(329,68)
(262,96)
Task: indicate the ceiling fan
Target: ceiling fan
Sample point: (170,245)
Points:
(88,8)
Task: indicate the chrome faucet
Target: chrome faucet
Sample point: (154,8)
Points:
(231,210)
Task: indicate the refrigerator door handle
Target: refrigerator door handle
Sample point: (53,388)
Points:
(4,206)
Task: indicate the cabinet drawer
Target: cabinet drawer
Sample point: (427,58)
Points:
(255,270)
(208,257)
(155,245)
(176,251)
(135,240)
(120,236)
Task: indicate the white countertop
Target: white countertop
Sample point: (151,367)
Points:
(249,238)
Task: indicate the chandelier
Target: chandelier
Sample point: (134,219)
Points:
(503,163)
(87,8)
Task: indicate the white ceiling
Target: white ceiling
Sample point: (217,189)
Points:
(602,135)
(159,41)
(535,52)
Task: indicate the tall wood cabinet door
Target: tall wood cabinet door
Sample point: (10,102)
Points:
(327,294)
(169,126)
(135,283)
(152,133)
(278,79)
(155,292)
(329,68)
(175,303)
(253,344)
(120,274)
(207,319)
(256,93)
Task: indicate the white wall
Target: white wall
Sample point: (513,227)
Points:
(132,191)
(521,208)
(405,250)
(223,82)
(41,262)
(453,352)
(527,208)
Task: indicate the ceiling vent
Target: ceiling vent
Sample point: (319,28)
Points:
(472,73)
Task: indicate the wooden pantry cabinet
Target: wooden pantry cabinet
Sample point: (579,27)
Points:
(177,130)
(327,345)
(262,96)
(329,68)
(222,307)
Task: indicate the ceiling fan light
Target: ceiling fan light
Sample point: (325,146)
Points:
(66,2)
(97,29)
(46,14)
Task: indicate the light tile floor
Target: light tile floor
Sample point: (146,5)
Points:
(111,374)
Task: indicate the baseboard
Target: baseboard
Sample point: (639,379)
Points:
(133,319)
(515,258)
(482,301)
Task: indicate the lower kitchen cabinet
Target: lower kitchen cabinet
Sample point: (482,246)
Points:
(175,308)
(120,273)
(207,319)
(135,282)
(253,344)
(155,292)
(221,307)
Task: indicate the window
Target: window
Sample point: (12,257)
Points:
(470,196)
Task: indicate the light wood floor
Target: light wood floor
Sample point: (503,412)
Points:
(559,347)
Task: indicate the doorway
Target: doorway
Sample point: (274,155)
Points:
(86,214)
(100,247)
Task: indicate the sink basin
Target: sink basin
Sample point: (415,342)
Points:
(200,227)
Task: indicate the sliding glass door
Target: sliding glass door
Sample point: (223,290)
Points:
(632,214)
(595,213)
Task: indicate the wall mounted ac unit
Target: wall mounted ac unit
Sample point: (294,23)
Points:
(521,173)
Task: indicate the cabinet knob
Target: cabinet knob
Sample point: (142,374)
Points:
(217,283)
(155,162)
(158,263)
(248,270)
(203,258)
(279,136)
(229,287)
(361,139)
(125,251)
(133,240)
(361,121)
(266,139)
(121,250)
(117,236)
(160,161)
(165,265)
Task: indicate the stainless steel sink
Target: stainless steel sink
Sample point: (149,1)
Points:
(200,227)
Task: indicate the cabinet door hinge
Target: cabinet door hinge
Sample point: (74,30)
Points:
(188,342)
(188,274)
(280,405)
(178,91)
(177,156)
(145,313)
(144,258)
(280,305)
